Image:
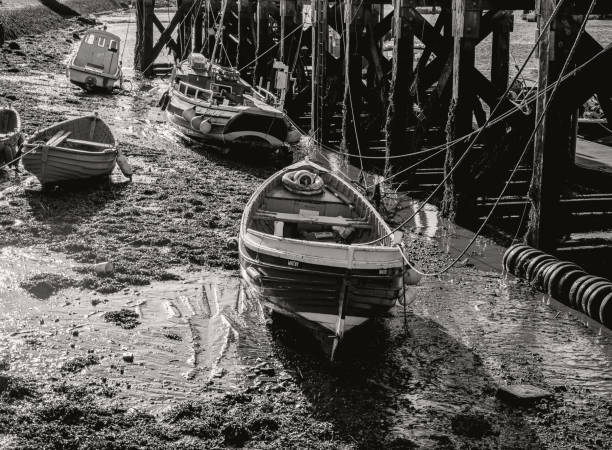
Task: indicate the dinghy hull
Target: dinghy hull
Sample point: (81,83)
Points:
(75,149)
(329,287)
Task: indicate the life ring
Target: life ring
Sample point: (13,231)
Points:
(303,182)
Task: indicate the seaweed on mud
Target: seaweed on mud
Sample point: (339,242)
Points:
(44,285)
(124,318)
(474,425)
(79,363)
(16,388)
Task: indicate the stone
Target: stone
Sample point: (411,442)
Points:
(128,357)
(14,45)
(521,394)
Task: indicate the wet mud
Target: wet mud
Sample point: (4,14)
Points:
(171,351)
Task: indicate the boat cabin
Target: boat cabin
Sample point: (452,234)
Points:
(99,52)
(198,80)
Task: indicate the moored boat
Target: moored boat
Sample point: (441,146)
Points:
(75,149)
(10,135)
(211,103)
(96,63)
(313,248)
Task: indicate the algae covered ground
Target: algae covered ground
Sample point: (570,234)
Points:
(167,352)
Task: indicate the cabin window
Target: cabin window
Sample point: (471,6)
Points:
(182,88)
(204,95)
(113,46)
(90,39)
(191,92)
(101,42)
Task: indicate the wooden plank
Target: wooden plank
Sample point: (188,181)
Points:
(160,27)
(88,143)
(351,131)
(167,34)
(318,220)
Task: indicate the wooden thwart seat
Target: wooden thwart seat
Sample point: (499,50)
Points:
(317,220)
(83,143)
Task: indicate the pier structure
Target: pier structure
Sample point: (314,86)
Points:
(382,81)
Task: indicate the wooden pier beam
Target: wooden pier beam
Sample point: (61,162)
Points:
(402,76)
(185,27)
(143,51)
(198,28)
(320,37)
(351,111)
(503,25)
(459,196)
(553,141)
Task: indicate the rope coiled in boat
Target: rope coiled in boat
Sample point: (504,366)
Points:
(303,182)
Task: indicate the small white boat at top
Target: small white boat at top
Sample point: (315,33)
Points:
(96,63)
(75,149)
(313,248)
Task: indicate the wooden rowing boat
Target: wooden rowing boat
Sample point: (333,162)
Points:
(305,250)
(10,135)
(71,150)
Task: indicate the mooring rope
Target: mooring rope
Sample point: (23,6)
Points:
(471,145)
(522,155)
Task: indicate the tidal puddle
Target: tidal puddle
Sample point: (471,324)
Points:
(194,334)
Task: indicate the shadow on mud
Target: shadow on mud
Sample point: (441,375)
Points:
(385,384)
(73,202)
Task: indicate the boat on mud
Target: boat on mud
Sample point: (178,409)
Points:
(211,103)
(96,64)
(313,248)
(75,149)
(10,135)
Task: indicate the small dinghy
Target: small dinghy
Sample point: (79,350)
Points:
(10,135)
(75,149)
(307,251)
(96,63)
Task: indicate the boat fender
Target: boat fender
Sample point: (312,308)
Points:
(205,126)
(254,274)
(189,114)
(195,122)
(90,83)
(293,136)
(303,182)
(164,100)
(124,165)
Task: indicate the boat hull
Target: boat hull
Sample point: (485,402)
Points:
(311,293)
(93,152)
(90,80)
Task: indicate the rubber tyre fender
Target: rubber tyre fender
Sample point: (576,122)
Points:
(573,292)
(510,256)
(90,83)
(566,282)
(536,264)
(595,299)
(539,276)
(605,311)
(524,259)
(586,293)
(582,289)
(552,280)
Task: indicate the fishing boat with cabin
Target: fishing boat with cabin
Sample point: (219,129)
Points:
(211,103)
(75,149)
(313,248)
(96,64)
